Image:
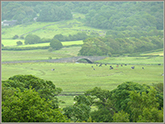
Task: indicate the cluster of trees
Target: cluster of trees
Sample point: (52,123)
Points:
(34,39)
(17,11)
(119,46)
(26,98)
(78,36)
(25,12)
(97,14)
(53,13)
(134,32)
(129,102)
(141,14)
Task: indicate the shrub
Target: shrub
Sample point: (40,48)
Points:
(19,43)
(21,37)
(32,39)
(56,44)
(16,37)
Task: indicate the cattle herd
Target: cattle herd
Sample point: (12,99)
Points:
(111,67)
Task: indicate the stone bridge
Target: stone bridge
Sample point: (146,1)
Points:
(89,59)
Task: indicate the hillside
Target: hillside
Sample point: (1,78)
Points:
(135,29)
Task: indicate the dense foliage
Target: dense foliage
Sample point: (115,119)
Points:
(46,89)
(56,44)
(139,14)
(119,46)
(26,98)
(32,39)
(28,106)
(129,102)
(78,36)
(52,13)
(19,43)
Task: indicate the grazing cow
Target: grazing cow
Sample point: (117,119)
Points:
(142,67)
(159,64)
(53,69)
(92,66)
(132,67)
(111,67)
(100,65)
(105,64)
(125,64)
(121,65)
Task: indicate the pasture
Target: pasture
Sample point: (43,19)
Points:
(49,29)
(11,42)
(76,78)
(39,54)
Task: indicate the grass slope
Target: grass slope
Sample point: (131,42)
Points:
(50,29)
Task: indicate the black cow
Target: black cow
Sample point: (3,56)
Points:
(105,64)
(121,65)
(53,69)
(100,65)
(92,66)
(125,64)
(132,67)
(159,64)
(142,67)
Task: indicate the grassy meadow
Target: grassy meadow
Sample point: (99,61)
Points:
(74,78)
(78,77)
(11,42)
(49,29)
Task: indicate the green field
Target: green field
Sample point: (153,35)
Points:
(38,54)
(49,29)
(11,42)
(77,78)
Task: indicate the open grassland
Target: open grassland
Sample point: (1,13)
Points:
(50,29)
(133,60)
(76,78)
(160,53)
(38,54)
(11,42)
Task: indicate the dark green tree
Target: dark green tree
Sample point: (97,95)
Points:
(32,39)
(15,37)
(19,43)
(28,106)
(46,89)
(56,44)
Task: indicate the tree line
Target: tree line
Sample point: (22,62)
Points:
(97,14)
(119,46)
(26,98)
